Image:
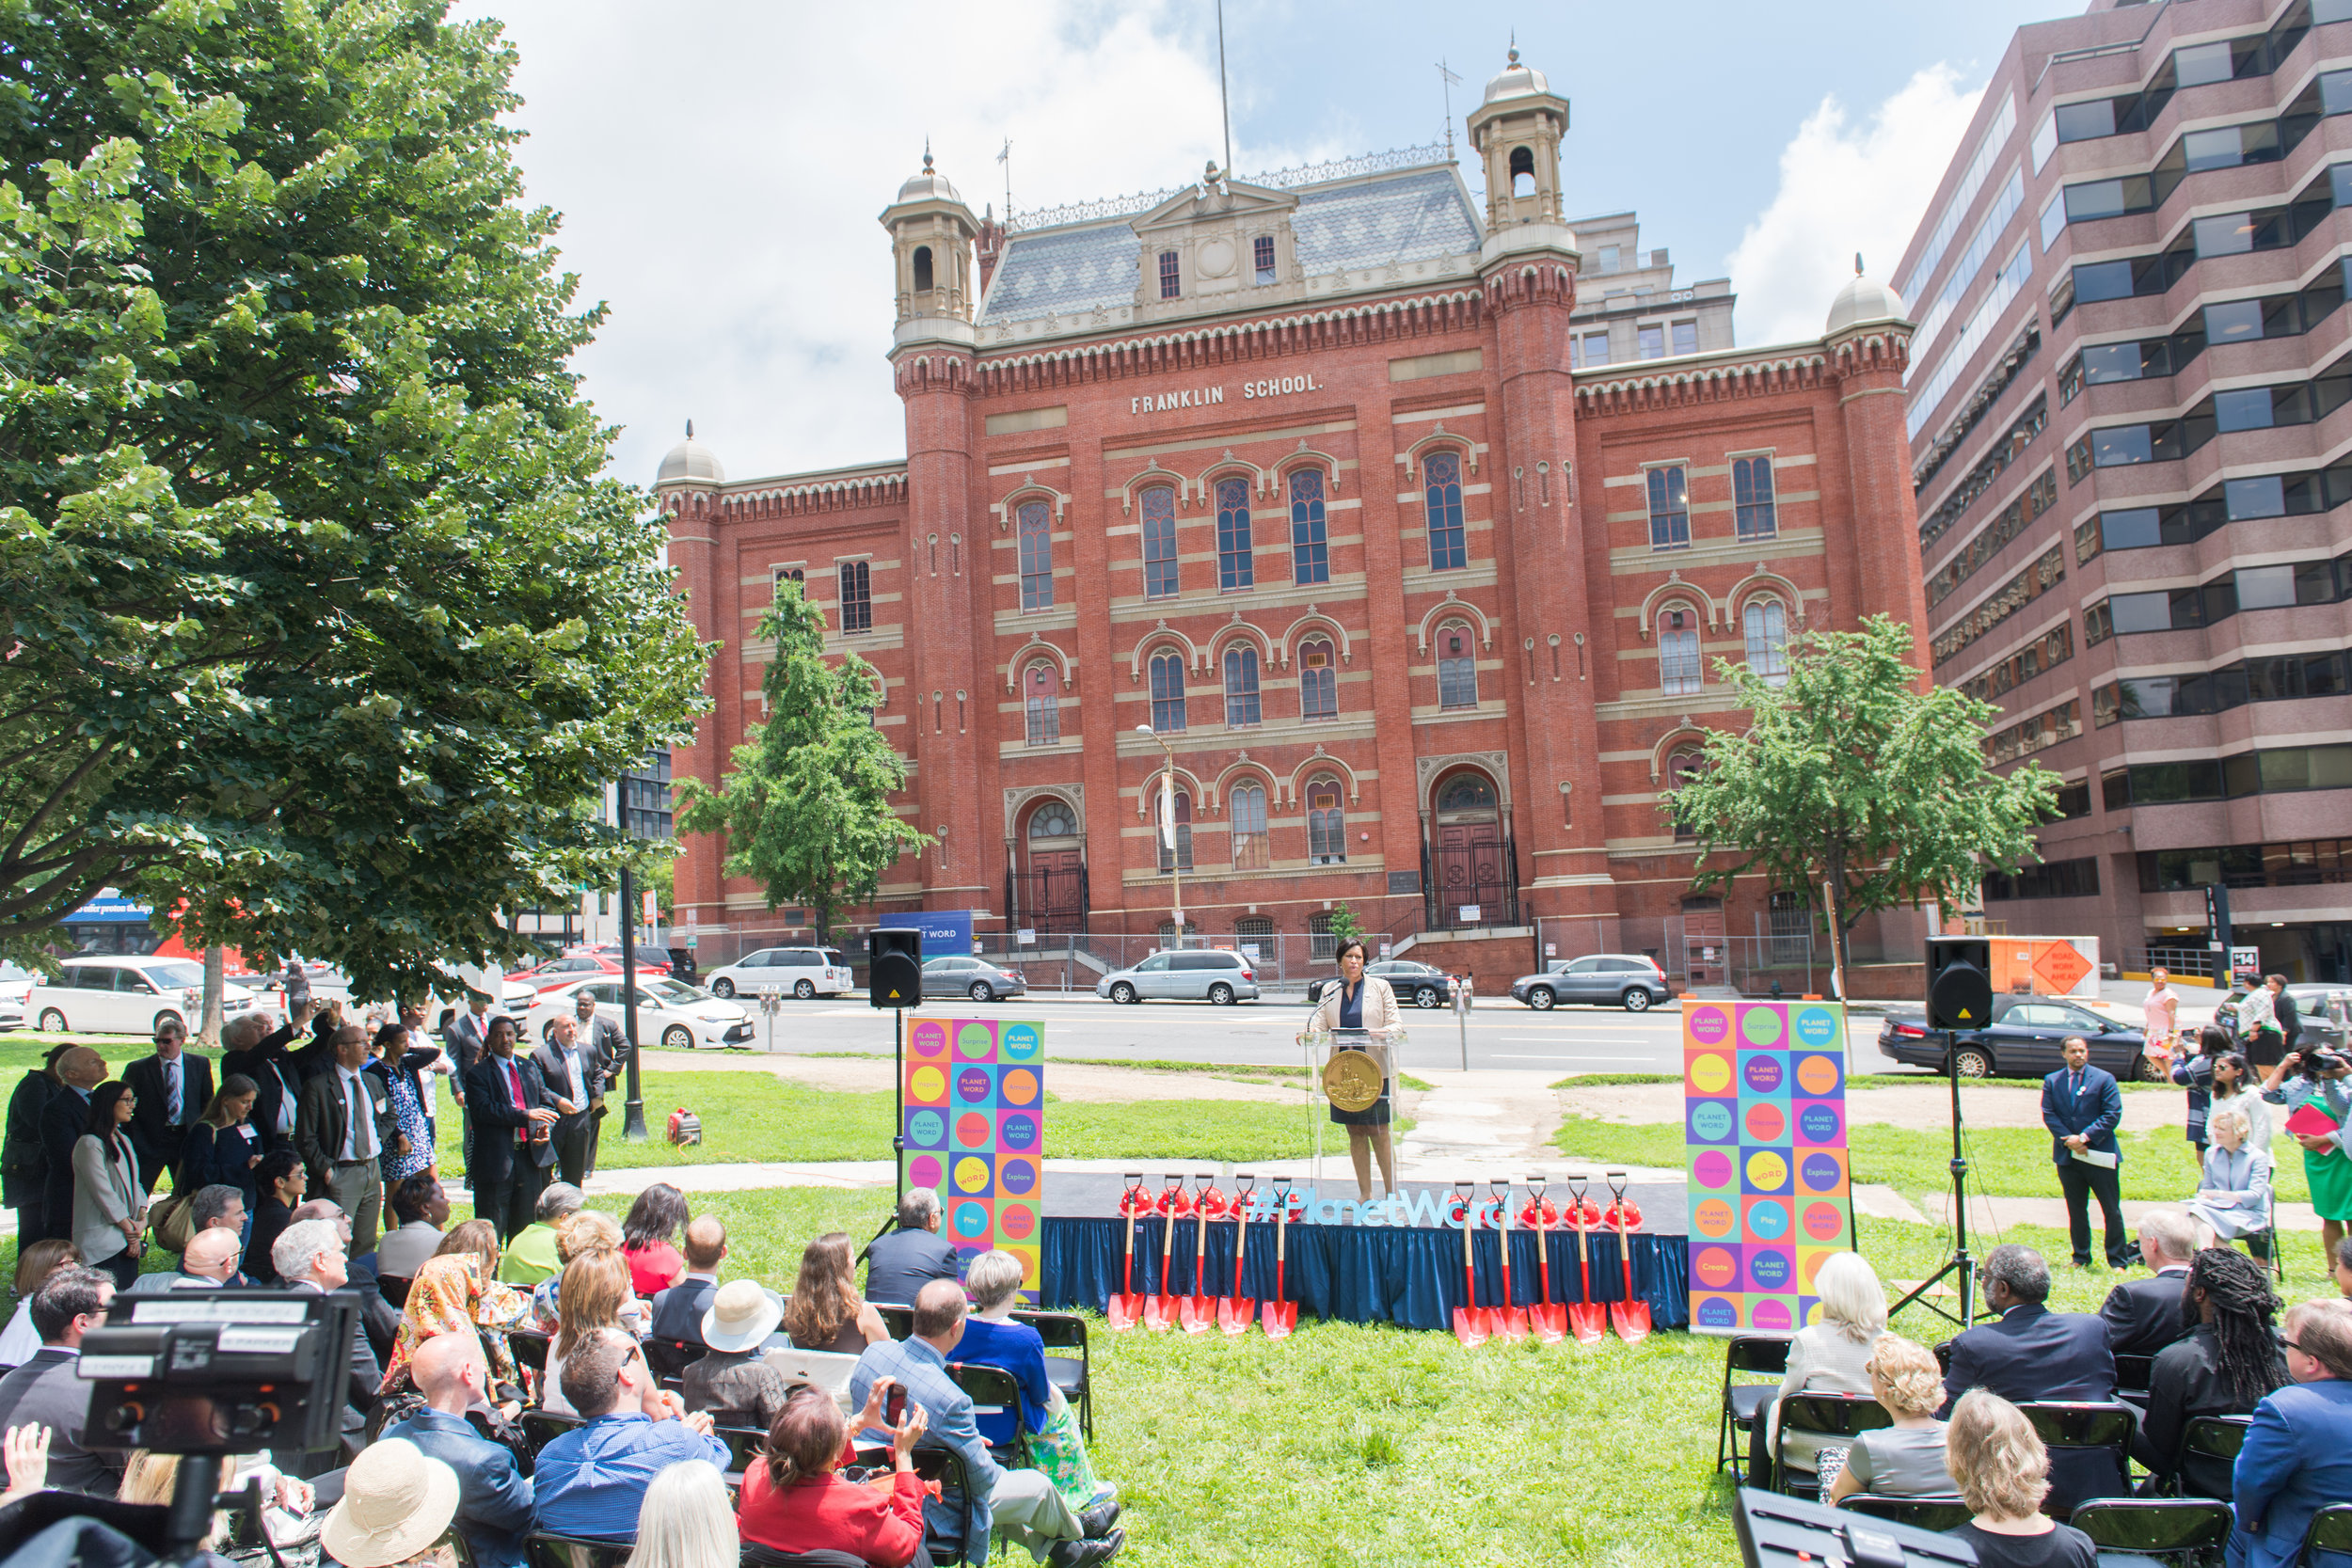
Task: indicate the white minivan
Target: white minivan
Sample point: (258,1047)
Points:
(119,994)
(804,972)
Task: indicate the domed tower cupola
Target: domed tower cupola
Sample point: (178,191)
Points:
(1517,130)
(690,462)
(931,234)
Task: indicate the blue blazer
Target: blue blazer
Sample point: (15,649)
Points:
(2296,1459)
(2095,1111)
(493,1495)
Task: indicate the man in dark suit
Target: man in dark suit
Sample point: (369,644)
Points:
(2035,1354)
(47,1390)
(2143,1316)
(172,1088)
(309,1256)
(899,1266)
(508,1103)
(575,1081)
(606,1042)
(63,1121)
(257,1051)
(344,1126)
(467,1035)
(677,1311)
(2082,1106)
(2282,1008)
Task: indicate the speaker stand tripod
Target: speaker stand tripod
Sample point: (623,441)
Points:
(1959,1261)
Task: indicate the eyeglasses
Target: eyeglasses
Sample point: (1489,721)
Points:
(2291,1344)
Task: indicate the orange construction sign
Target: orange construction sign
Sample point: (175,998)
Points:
(2047,966)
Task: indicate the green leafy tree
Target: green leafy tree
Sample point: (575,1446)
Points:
(1345,927)
(317,615)
(806,808)
(1849,775)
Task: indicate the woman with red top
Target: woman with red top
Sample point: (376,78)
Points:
(649,1236)
(792,1501)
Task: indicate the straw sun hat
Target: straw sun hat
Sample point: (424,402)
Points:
(397,1501)
(741,1314)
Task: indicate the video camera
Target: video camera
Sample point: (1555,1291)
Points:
(1782,1533)
(219,1372)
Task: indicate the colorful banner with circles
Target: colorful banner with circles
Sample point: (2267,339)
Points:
(974,1129)
(1764,1125)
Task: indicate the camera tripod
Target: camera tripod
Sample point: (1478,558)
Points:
(1960,1261)
(195,1494)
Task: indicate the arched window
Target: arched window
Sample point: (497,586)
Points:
(1679,650)
(1180,857)
(1752,497)
(1248,803)
(1669,509)
(1318,680)
(1326,822)
(1036,556)
(1167,691)
(1041,705)
(1766,622)
(1241,684)
(1311,557)
(1680,769)
(1467,792)
(1236,567)
(1324,944)
(1251,928)
(1443,474)
(1159,542)
(1522,171)
(857,598)
(922,269)
(1052,819)
(1457,666)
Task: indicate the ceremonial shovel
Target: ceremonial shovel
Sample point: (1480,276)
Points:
(1587,1320)
(1126,1307)
(1280,1315)
(1509,1321)
(1199,1308)
(1549,1319)
(1160,1312)
(1234,1312)
(1470,1324)
(1631,1315)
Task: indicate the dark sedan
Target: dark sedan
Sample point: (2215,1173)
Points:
(2023,1041)
(976,978)
(1418,984)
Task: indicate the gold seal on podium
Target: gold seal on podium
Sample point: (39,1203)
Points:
(1351,1081)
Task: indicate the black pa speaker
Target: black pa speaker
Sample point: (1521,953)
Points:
(895,968)
(1960,982)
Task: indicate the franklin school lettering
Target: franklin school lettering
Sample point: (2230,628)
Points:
(1203,397)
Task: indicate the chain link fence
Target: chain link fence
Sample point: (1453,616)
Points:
(1073,963)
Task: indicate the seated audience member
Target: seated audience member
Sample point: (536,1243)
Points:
(1829,1355)
(793,1501)
(586,1231)
(733,1376)
(309,1256)
(1905,1459)
(209,1263)
(493,1495)
(279,1178)
(397,1503)
(2229,1361)
(1021,1506)
(48,1390)
(34,1264)
(420,1214)
(592,1479)
(475,1238)
(677,1309)
(2003,1473)
(449,1296)
(688,1520)
(219,1207)
(152,1479)
(2298,1454)
(2234,1187)
(2145,1315)
(825,1312)
(531,1257)
(596,1295)
(992,1338)
(647,1237)
(2031,1352)
(901,1263)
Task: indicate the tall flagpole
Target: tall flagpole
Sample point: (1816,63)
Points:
(1224,107)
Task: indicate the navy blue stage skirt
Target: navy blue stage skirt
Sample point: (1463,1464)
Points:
(1408,1276)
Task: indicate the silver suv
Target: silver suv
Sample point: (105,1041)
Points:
(1628,980)
(1217,975)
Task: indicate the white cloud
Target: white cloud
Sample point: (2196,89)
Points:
(1845,188)
(720,165)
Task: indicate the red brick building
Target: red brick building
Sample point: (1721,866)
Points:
(1411,538)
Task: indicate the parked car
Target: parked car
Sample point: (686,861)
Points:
(1421,985)
(119,994)
(675,1016)
(2310,1007)
(1628,981)
(976,978)
(1216,975)
(2023,1041)
(805,972)
(16,984)
(655,959)
(564,970)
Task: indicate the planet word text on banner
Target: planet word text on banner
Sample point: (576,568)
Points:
(974,1129)
(1764,1124)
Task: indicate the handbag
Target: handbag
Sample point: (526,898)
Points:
(173,1221)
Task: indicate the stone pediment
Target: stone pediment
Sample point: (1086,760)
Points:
(1230,198)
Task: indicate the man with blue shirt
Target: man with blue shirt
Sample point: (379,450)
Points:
(2082,1106)
(592,1479)
(1019,1505)
(494,1497)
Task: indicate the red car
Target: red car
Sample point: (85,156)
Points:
(649,959)
(563,971)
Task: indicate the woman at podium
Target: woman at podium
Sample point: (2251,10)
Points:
(1363,1002)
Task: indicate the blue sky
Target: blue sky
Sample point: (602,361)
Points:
(720,162)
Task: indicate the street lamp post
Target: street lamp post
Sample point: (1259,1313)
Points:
(1168,830)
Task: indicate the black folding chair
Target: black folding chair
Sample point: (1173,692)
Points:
(1839,1417)
(546,1549)
(394,1290)
(1072,1375)
(1930,1514)
(934,1460)
(2328,1538)
(2090,1445)
(995,1391)
(2215,1440)
(1760,1355)
(899,1320)
(2132,1376)
(539,1427)
(530,1348)
(2157,1529)
(671,1357)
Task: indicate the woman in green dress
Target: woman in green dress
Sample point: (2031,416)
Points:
(2318,1079)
